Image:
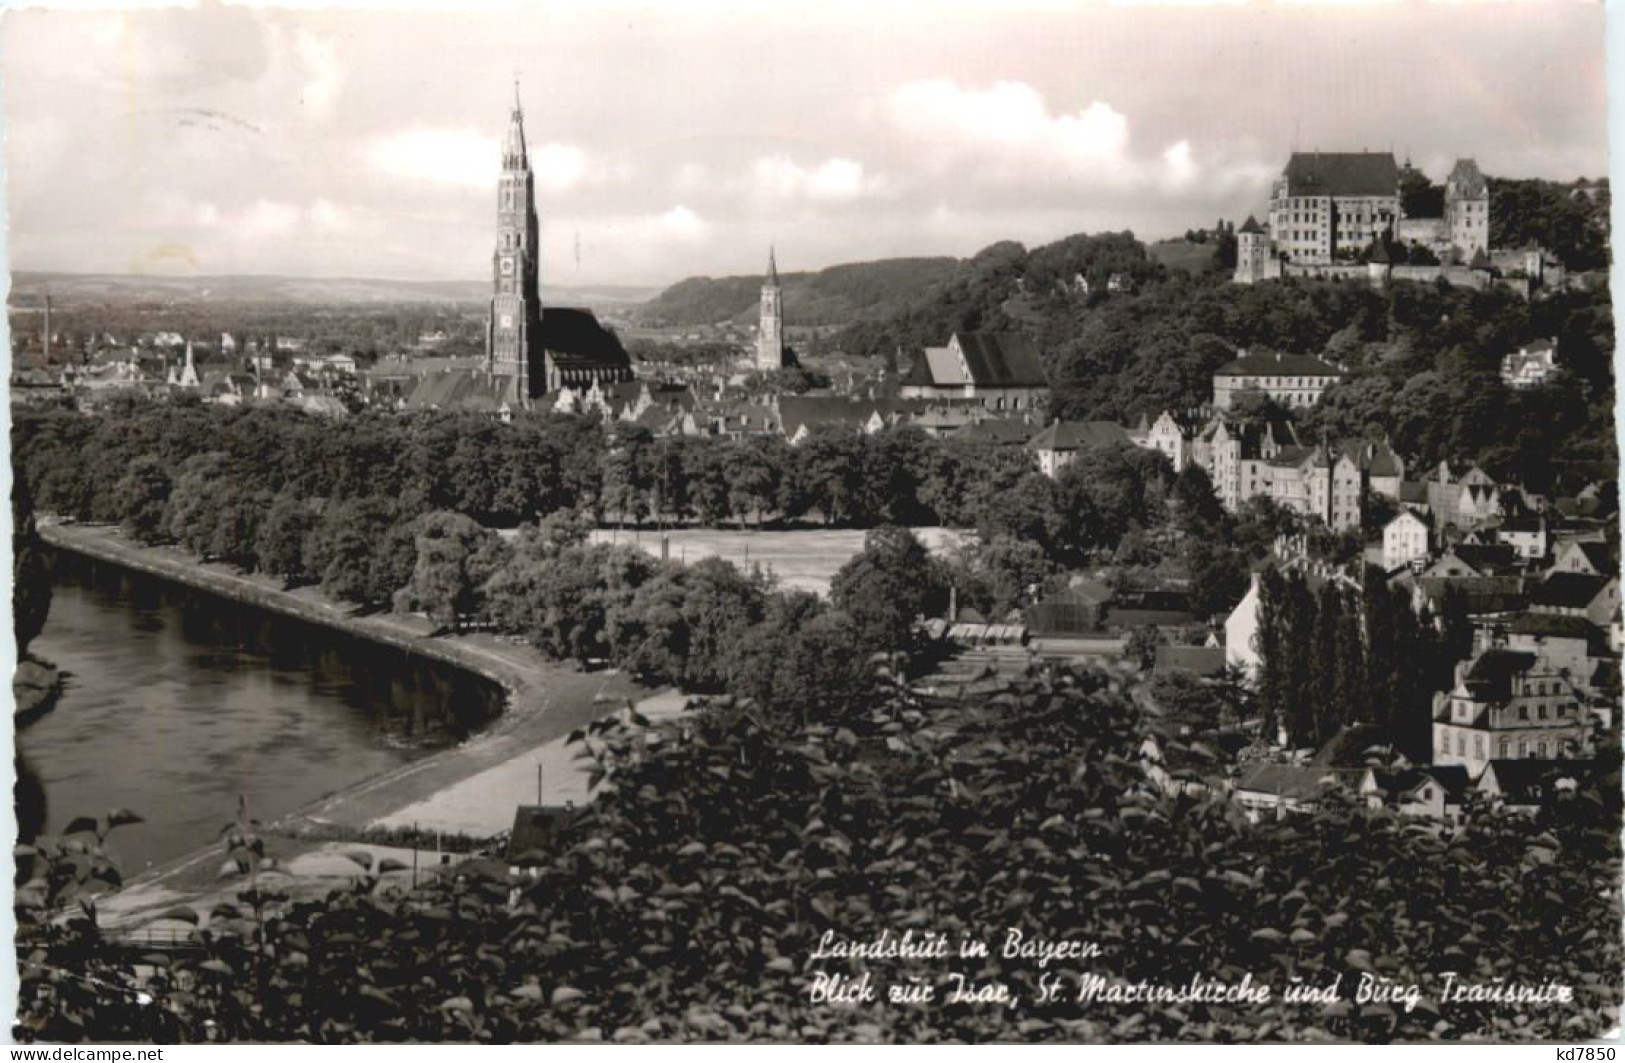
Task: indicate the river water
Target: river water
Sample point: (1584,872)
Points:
(178,701)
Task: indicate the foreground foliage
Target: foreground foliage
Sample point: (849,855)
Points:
(686,903)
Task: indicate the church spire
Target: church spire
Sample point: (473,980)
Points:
(514,156)
(772,266)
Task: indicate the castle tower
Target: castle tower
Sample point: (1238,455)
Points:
(1254,253)
(770,334)
(515,322)
(1467,209)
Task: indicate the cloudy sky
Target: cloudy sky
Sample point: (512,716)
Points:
(672,140)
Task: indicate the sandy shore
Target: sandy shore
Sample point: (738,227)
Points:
(472,788)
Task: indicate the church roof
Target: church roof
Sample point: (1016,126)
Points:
(1002,359)
(1342,173)
(574,338)
(1251,225)
(982,359)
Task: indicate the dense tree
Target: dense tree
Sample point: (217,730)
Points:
(455,558)
(197,500)
(350,551)
(282,545)
(141,498)
(886,585)
(755,835)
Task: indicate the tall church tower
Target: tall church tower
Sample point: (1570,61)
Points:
(516,306)
(770,334)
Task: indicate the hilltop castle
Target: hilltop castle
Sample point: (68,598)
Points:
(1336,212)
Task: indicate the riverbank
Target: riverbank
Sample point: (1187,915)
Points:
(36,686)
(546,700)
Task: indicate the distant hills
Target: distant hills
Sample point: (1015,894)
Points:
(838,295)
(29,286)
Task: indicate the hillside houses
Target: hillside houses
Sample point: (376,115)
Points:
(1531,365)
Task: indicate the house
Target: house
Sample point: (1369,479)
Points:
(1505,705)
(1482,595)
(1241,634)
(1436,793)
(1404,540)
(1529,785)
(1530,366)
(534,828)
(1058,444)
(1576,594)
(992,432)
(1527,535)
(1292,380)
(1591,558)
(1472,559)
(1466,501)
(1573,644)
(1267,790)
(1001,370)
(1175,435)
(1078,609)
(799,415)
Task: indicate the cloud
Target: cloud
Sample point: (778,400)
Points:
(266,219)
(1010,115)
(1007,137)
(683,224)
(782,177)
(471,158)
(558,167)
(438,155)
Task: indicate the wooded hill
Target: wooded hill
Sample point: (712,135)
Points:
(833,296)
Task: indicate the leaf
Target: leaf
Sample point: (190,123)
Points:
(121,817)
(361,858)
(458,1004)
(565,994)
(83,825)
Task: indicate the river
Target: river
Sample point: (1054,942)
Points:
(178,701)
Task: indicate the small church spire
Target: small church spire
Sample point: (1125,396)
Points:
(772,266)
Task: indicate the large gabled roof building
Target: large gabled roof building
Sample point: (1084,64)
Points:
(1001,370)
